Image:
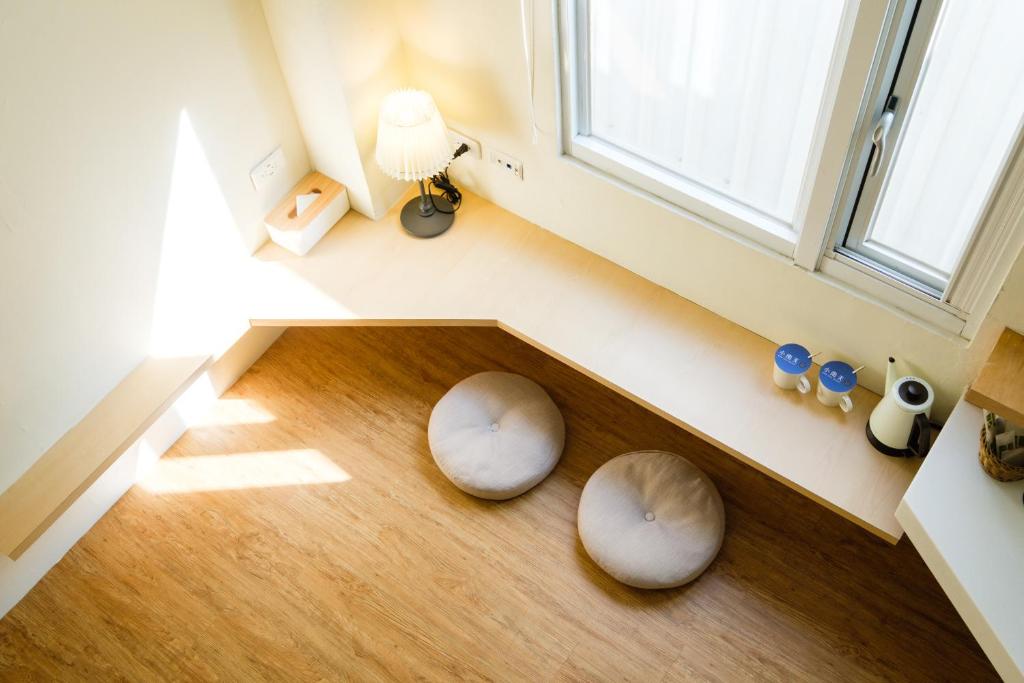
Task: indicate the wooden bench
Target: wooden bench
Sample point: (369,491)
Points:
(697,369)
(87,450)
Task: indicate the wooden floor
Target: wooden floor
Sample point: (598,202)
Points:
(303,533)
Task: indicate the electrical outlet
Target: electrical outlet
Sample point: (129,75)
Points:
(268,169)
(458,138)
(509,163)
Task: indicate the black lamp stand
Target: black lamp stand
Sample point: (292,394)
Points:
(427,215)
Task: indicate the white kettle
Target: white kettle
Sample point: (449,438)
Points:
(899,424)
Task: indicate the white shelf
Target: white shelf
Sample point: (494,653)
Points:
(969,528)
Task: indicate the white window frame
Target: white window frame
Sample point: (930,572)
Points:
(691,196)
(861,253)
(810,241)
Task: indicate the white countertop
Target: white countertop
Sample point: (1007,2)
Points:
(969,528)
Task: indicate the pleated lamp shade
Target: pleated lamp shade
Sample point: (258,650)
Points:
(412,140)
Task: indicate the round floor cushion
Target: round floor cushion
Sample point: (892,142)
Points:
(496,435)
(651,519)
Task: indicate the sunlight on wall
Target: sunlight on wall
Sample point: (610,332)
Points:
(197,304)
(147,456)
(193,474)
(197,401)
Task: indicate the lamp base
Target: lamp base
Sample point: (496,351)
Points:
(418,225)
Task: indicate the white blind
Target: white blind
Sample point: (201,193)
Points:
(723,92)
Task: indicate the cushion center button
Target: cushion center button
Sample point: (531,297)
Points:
(649,516)
(494,426)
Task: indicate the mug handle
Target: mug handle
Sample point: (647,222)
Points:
(803,385)
(846,403)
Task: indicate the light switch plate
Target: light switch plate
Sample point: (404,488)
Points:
(268,169)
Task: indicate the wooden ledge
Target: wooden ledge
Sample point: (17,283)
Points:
(1000,384)
(64,472)
(696,369)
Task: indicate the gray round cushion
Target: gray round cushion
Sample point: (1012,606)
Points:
(496,435)
(651,519)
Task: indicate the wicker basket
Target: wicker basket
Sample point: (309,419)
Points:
(993,466)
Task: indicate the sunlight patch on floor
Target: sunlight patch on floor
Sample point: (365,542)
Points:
(231,411)
(265,469)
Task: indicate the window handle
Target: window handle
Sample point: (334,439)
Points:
(880,133)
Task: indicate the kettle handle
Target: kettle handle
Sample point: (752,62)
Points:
(920,436)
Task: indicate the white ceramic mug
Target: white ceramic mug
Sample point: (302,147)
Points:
(836,380)
(790,367)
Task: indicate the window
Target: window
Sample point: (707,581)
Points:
(935,149)
(864,140)
(715,101)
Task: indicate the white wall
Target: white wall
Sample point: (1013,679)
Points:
(470,56)
(120,123)
(371,63)
(340,58)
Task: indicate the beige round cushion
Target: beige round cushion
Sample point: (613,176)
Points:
(496,435)
(651,519)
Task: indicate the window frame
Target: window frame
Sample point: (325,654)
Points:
(690,196)
(898,76)
(869,33)
(960,306)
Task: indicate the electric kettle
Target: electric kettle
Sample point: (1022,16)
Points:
(899,424)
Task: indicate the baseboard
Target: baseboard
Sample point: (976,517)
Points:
(17,577)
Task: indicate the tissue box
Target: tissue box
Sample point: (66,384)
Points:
(298,232)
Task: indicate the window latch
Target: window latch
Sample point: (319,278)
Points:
(880,133)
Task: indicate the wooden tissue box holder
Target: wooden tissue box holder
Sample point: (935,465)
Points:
(299,232)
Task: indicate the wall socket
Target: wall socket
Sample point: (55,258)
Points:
(507,162)
(458,138)
(268,169)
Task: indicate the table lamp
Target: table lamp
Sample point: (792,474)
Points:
(412,144)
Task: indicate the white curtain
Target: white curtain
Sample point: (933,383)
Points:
(724,92)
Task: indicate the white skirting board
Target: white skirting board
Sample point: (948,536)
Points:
(17,577)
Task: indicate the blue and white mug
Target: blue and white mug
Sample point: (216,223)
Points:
(836,380)
(792,361)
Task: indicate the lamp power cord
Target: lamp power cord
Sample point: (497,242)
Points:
(445,186)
